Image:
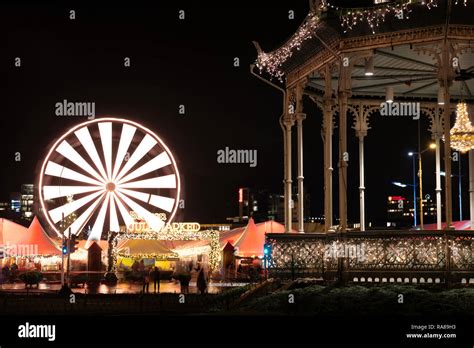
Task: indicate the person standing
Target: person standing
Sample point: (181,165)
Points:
(146,282)
(141,267)
(156,276)
(201,281)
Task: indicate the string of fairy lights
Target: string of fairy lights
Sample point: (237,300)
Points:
(272,62)
(211,235)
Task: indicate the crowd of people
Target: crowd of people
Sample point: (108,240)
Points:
(9,273)
(147,275)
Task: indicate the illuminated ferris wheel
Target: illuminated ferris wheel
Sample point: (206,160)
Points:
(104,174)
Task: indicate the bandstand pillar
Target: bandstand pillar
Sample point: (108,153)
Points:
(361,127)
(447,159)
(288,123)
(471,177)
(300,116)
(439,213)
(446,79)
(327,131)
(437,134)
(343,94)
(471,187)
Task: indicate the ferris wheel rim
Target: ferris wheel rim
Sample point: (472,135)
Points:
(122,121)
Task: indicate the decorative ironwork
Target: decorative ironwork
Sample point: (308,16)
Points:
(381,253)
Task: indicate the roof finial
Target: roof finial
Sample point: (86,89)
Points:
(314,5)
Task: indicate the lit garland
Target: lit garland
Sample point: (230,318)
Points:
(166,234)
(373,18)
(271,62)
(350,17)
(161,257)
(462,133)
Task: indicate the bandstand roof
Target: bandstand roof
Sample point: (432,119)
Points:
(396,43)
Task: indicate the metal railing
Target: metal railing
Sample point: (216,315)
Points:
(384,255)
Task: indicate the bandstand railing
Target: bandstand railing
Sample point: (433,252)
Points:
(374,256)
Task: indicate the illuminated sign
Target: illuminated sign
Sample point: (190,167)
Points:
(139,225)
(182,227)
(241,195)
(396,198)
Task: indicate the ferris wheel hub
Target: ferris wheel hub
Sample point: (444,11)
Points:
(110,186)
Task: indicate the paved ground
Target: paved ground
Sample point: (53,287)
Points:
(121,288)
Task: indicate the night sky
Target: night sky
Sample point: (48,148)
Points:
(186,62)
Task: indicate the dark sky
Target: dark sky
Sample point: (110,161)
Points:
(177,62)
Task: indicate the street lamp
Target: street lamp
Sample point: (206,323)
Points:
(414,187)
(420,174)
(459,175)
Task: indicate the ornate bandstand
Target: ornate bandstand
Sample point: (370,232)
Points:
(353,63)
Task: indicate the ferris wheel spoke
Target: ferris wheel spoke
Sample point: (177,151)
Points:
(85,138)
(50,192)
(165,181)
(66,209)
(145,145)
(155,223)
(164,203)
(158,162)
(125,140)
(80,222)
(142,196)
(98,227)
(161,202)
(105,130)
(59,171)
(68,151)
(114,223)
(123,211)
